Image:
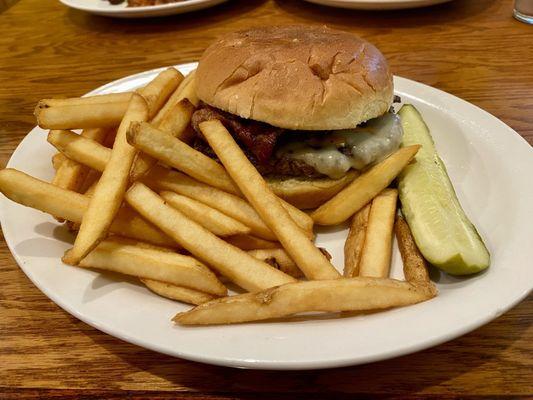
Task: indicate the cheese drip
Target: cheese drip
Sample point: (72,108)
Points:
(335,152)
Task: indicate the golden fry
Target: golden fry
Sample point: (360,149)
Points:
(178,293)
(249,242)
(278,258)
(211,219)
(157,92)
(176,123)
(109,192)
(353,247)
(377,250)
(178,119)
(363,189)
(43,196)
(123,98)
(80,149)
(57,160)
(177,154)
(164,266)
(80,116)
(96,156)
(353,294)
(179,94)
(235,207)
(305,254)
(240,267)
(415,267)
(72,174)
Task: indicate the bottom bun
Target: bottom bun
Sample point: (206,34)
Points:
(307,193)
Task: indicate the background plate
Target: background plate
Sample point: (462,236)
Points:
(489,164)
(103,7)
(378,4)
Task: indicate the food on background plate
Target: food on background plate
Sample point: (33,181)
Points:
(441,229)
(275,120)
(307,104)
(144,3)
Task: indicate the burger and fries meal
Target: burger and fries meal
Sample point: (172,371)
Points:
(192,182)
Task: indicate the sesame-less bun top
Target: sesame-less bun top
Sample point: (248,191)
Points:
(296,77)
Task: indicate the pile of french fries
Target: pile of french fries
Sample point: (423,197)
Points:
(146,204)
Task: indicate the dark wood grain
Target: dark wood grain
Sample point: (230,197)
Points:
(473,49)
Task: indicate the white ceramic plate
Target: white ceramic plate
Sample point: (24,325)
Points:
(490,165)
(103,7)
(377,4)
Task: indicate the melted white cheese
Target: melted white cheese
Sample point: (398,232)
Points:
(362,146)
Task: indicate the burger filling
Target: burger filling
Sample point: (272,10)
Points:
(277,151)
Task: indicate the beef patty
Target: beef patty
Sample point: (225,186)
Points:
(257,139)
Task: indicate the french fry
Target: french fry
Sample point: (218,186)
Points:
(249,242)
(96,156)
(90,190)
(80,116)
(72,174)
(123,97)
(377,249)
(363,189)
(43,196)
(158,265)
(415,267)
(301,218)
(278,258)
(189,91)
(235,207)
(157,92)
(108,196)
(353,247)
(179,293)
(228,203)
(176,123)
(304,253)
(177,154)
(211,219)
(57,160)
(80,149)
(353,294)
(243,269)
(89,184)
(183,91)
(178,120)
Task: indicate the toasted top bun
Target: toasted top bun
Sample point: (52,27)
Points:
(296,77)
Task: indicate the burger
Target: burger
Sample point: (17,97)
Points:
(309,106)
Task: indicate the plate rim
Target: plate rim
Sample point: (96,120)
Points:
(142,9)
(374,5)
(254,364)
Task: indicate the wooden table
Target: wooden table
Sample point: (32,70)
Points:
(471,48)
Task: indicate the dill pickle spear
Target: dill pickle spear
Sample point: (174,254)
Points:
(440,227)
